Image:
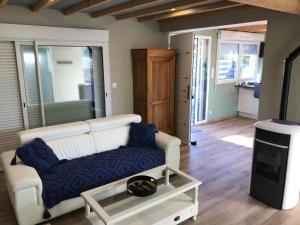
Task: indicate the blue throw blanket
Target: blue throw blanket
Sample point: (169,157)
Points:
(71,177)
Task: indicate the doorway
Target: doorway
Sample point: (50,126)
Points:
(218,74)
(200,79)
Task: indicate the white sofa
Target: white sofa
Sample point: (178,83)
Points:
(68,142)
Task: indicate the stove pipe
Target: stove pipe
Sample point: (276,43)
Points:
(286,82)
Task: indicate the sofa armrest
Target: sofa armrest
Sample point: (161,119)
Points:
(166,141)
(20,176)
(172,147)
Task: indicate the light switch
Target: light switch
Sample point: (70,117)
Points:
(114,85)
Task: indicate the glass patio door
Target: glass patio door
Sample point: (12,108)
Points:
(200,79)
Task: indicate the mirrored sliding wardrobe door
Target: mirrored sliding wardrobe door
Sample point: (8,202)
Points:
(28,74)
(62,83)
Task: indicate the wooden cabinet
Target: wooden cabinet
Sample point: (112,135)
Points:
(153,86)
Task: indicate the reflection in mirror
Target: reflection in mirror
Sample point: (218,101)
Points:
(68,83)
(66,73)
(72,83)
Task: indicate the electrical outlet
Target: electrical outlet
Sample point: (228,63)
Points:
(114,85)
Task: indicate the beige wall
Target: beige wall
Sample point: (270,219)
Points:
(282,37)
(124,35)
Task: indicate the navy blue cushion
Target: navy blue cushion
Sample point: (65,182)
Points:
(141,134)
(38,155)
(67,180)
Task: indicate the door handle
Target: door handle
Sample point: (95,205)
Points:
(188,92)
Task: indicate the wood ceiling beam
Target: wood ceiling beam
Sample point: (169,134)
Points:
(121,7)
(42,4)
(195,10)
(160,8)
(288,6)
(3,3)
(82,6)
(253,29)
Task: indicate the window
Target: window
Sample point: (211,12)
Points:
(228,61)
(236,61)
(248,61)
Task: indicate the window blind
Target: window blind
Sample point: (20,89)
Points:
(11,119)
(97,59)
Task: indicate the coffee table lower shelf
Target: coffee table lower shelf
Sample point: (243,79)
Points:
(172,211)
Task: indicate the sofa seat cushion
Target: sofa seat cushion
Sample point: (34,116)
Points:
(67,180)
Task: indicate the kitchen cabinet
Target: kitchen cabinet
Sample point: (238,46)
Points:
(247,103)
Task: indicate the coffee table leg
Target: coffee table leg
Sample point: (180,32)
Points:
(195,199)
(87,209)
(167,176)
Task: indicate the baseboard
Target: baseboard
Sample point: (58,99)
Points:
(248,115)
(222,118)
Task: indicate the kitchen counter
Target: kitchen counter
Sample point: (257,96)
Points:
(245,86)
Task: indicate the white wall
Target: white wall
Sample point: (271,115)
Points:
(124,35)
(67,77)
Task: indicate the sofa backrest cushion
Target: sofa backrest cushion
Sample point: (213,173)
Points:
(73,140)
(112,132)
(111,139)
(73,147)
(54,132)
(107,123)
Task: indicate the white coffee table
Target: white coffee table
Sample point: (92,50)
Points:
(169,205)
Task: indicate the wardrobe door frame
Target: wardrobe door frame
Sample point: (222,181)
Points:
(22,79)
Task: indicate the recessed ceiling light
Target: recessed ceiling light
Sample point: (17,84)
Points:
(173,9)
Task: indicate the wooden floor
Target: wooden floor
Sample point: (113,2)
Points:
(221,160)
